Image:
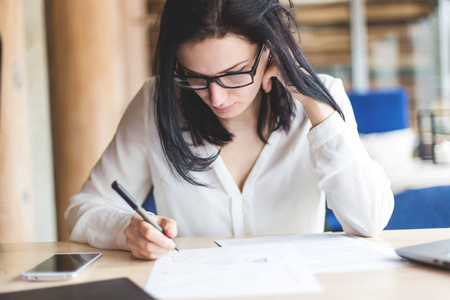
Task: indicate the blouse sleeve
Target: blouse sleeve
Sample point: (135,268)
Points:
(357,190)
(97,215)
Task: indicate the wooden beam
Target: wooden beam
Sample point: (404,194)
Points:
(97,61)
(329,39)
(399,12)
(323,15)
(16,197)
(332,14)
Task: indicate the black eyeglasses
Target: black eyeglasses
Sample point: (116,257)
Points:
(228,81)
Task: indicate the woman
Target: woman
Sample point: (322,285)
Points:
(236,134)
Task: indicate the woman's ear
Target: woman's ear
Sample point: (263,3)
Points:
(269,73)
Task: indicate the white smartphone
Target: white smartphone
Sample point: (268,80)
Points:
(61,266)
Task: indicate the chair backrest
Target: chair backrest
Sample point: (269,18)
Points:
(331,222)
(149,203)
(380,110)
(414,209)
(421,208)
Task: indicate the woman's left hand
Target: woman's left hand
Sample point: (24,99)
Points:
(317,111)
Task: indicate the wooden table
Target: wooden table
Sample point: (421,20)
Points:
(409,282)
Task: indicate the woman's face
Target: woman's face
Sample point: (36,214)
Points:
(219,56)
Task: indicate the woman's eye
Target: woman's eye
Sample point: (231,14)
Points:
(238,71)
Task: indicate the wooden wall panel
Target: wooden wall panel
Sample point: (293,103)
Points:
(90,83)
(16,203)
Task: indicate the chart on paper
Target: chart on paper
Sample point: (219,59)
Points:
(233,271)
(330,252)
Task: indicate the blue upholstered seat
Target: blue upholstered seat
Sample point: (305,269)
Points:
(380,110)
(419,208)
(149,203)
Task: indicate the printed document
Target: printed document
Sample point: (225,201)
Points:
(330,252)
(231,272)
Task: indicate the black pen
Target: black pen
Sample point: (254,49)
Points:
(134,205)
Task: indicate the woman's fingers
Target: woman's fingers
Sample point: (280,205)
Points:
(272,71)
(147,250)
(168,225)
(145,241)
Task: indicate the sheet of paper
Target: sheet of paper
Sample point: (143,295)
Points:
(330,252)
(231,272)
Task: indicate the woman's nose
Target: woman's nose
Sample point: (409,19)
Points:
(217,94)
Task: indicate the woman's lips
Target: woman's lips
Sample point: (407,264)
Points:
(224,109)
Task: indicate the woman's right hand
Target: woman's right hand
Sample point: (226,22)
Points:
(317,111)
(145,241)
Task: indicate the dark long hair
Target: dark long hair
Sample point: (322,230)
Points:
(177,112)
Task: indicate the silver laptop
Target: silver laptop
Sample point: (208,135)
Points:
(434,253)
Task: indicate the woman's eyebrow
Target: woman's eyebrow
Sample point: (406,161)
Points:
(224,71)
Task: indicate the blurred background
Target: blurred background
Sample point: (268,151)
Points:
(70,67)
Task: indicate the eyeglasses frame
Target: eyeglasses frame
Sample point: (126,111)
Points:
(216,79)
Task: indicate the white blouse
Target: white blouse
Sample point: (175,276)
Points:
(283,194)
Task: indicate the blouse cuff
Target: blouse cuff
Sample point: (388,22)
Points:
(326,131)
(121,239)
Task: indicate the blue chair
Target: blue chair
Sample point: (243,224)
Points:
(149,203)
(414,209)
(421,208)
(331,222)
(380,110)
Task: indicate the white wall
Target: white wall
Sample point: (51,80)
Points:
(41,141)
